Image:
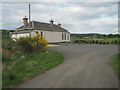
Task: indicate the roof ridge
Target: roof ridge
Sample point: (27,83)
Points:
(40,22)
(43,25)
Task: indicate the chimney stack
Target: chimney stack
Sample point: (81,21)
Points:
(59,24)
(51,22)
(25,20)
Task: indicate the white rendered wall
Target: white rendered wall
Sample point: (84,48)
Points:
(50,36)
(55,36)
(17,36)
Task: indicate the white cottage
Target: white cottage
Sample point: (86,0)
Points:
(50,31)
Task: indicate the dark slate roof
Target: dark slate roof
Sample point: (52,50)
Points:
(43,26)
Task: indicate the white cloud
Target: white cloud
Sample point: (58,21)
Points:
(0,15)
(59,0)
(79,17)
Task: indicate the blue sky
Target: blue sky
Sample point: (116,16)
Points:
(77,17)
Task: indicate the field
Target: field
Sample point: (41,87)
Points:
(20,66)
(102,40)
(107,39)
(77,38)
(115,64)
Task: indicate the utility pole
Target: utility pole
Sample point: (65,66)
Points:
(29,19)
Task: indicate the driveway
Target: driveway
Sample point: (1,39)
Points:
(85,66)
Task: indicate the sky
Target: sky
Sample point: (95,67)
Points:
(76,17)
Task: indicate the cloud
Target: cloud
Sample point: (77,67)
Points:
(80,17)
(59,0)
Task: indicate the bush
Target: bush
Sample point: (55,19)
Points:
(104,42)
(39,43)
(96,42)
(76,41)
(83,41)
(31,44)
(92,41)
(5,58)
(107,42)
(115,42)
(119,42)
(8,44)
(100,42)
(25,44)
(87,42)
(112,42)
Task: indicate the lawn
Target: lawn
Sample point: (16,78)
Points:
(115,64)
(18,66)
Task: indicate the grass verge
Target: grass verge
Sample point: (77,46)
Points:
(115,64)
(19,68)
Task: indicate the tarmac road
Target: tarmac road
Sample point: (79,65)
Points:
(85,66)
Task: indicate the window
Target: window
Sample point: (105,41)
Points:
(65,36)
(41,33)
(68,36)
(62,36)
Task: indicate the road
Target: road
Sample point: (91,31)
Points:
(85,66)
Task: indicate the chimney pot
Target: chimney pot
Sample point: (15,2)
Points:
(25,20)
(59,24)
(51,22)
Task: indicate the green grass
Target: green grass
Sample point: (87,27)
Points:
(115,64)
(19,68)
(77,38)
(107,39)
(112,39)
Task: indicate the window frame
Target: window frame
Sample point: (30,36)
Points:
(41,33)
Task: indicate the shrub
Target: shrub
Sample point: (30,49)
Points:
(112,42)
(8,44)
(100,42)
(83,41)
(39,43)
(96,42)
(119,42)
(31,44)
(86,41)
(92,41)
(115,42)
(107,42)
(5,58)
(104,42)
(76,41)
(25,44)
